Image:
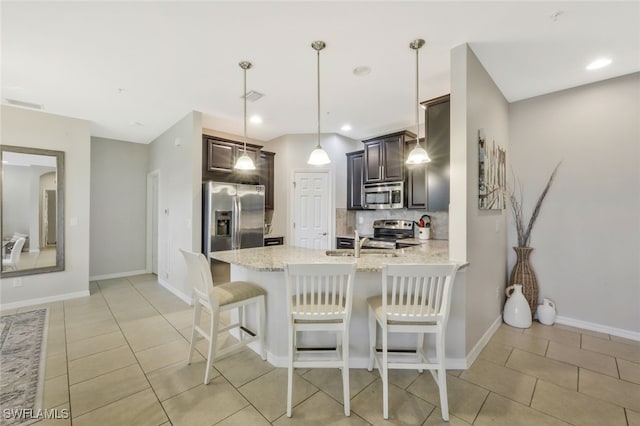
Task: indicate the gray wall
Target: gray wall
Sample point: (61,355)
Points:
(479,236)
(177,156)
(587,237)
(36,129)
(118,207)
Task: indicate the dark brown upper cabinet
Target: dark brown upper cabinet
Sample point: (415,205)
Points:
(355,173)
(384,157)
(416,184)
(266,166)
(219,155)
(428,185)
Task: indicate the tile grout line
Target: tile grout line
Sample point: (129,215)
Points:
(134,354)
(481,407)
(137,362)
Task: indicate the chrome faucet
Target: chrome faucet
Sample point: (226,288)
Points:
(358,243)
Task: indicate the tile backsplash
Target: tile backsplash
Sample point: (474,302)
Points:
(345,221)
(439,220)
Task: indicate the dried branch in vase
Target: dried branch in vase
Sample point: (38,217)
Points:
(515,198)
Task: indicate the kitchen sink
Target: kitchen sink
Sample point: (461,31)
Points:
(363,252)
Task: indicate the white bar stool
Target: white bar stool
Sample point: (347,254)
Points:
(418,300)
(320,298)
(221,298)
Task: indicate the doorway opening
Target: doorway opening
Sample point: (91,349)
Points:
(153,189)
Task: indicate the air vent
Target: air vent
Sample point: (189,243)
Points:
(253,96)
(24,104)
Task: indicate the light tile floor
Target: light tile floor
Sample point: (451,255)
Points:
(117,357)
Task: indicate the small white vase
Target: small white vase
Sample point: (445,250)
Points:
(517,312)
(547,312)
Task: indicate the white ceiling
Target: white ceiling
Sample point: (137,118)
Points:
(135,68)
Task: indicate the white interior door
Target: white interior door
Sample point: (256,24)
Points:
(311,208)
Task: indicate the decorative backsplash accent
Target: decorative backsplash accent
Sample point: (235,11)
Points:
(345,221)
(439,220)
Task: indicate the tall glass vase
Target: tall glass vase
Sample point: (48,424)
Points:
(523,274)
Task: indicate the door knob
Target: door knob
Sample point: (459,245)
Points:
(323,234)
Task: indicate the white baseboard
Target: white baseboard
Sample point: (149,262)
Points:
(35,250)
(620,332)
(185,298)
(43,300)
(117,275)
(479,346)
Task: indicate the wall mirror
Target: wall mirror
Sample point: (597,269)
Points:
(32,211)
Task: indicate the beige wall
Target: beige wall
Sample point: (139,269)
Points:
(292,153)
(36,129)
(587,237)
(177,156)
(479,236)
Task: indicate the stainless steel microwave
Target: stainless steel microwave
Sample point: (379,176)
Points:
(389,195)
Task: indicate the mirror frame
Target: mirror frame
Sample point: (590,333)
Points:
(60,176)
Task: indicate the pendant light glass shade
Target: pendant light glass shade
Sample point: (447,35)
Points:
(244,162)
(319,156)
(418,155)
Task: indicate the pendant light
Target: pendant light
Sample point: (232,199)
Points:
(418,155)
(245,162)
(318,156)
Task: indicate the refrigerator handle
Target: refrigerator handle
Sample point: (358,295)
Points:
(238,222)
(234,225)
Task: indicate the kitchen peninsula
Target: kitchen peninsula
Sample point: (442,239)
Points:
(265,267)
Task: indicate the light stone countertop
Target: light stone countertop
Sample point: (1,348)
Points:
(273,258)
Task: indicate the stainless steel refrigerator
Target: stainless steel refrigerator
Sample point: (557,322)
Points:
(233,216)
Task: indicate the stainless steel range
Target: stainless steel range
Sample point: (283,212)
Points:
(389,233)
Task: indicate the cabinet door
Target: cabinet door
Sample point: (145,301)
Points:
(416,189)
(373,162)
(220,156)
(393,159)
(266,165)
(355,162)
(438,147)
(345,243)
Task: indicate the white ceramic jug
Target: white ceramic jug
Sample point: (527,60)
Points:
(547,312)
(517,312)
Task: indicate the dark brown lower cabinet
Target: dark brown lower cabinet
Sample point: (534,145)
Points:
(345,243)
(273,241)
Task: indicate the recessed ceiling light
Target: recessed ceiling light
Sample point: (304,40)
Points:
(362,70)
(598,63)
(345,128)
(256,119)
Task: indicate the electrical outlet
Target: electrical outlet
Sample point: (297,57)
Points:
(360,220)
(17,282)
(497,292)
(166,275)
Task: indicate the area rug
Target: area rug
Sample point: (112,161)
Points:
(22,362)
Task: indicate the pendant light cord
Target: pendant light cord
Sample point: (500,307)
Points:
(318,72)
(245,111)
(418,100)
